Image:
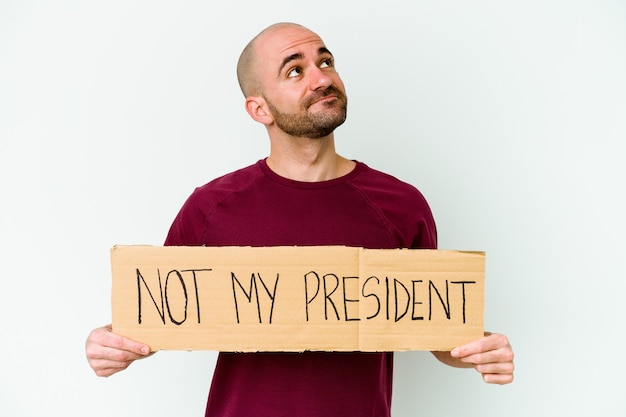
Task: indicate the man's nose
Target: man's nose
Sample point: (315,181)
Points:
(319,79)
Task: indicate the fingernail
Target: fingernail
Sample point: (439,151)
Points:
(145,350)
(454,353)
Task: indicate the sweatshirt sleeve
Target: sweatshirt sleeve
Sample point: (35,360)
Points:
(188,225)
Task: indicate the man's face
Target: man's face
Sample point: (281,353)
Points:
(303,92)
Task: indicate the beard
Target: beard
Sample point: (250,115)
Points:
(313,125)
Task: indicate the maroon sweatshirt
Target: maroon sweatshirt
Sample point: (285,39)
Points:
(255,207)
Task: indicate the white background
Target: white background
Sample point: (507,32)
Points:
(509,116)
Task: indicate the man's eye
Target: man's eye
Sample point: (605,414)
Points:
(326,63)
(294,72)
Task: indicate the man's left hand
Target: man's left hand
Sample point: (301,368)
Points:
(491,355)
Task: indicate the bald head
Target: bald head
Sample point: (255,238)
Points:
(247,74)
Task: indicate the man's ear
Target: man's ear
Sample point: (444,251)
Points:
(257,109)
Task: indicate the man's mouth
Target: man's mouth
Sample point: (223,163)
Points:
(325,96)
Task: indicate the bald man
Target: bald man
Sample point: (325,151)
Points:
(304,194)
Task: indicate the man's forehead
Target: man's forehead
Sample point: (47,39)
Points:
(289,45)
(284,42)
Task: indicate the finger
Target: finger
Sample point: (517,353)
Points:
(484,344)
(500,355)
(127,345)
(103,367)
(108,361)
(104,337)
(504,368)
(499,379)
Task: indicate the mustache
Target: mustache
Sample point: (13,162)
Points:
(319,94)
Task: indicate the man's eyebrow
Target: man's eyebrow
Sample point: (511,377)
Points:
(288,59)
(323,50)
(294,57)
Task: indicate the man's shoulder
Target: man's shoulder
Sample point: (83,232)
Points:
(232,181)
(374,180)
(211,193)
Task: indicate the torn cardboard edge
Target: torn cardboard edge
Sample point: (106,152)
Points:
(297,298)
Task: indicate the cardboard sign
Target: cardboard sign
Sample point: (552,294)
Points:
(328,298)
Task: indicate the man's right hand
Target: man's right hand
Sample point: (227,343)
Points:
(109,353)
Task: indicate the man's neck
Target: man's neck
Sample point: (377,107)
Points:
(307,160)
